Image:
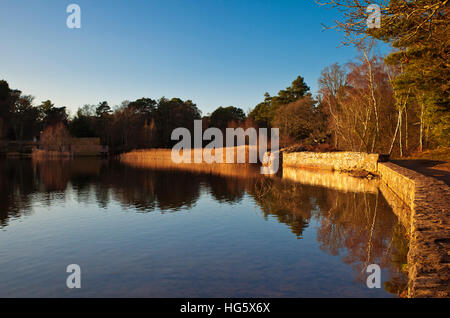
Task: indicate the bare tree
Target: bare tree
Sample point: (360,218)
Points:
(420,17)
(55,137)
(360,102)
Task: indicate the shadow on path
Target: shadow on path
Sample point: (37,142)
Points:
(430,168)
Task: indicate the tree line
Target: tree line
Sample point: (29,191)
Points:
(396,104)
(143,123)
(357,108)
(418,65)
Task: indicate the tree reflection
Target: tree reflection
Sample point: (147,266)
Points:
(147,189)
(359,227)
(16,186)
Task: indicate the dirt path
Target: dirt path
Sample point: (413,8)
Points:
(430,168)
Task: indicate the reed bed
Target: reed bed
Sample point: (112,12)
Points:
(50,154)
(162,159)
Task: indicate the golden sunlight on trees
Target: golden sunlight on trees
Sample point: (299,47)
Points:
(297,120)
(418,31)
(365,113)
(55,137)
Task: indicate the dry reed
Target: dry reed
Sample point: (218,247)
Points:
(162,159)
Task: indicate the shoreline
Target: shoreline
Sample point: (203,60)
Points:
(427,216)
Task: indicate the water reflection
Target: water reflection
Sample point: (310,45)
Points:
(358,226)
(362,224)
(17,184)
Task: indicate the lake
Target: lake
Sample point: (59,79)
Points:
(153,233)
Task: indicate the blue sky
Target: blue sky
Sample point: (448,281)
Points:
(214,52)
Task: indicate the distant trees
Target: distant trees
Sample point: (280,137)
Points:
(103,109)
(294,112)
(125,129)
(19,119)
(83,124)
(8,99)
(144,106)
(265,112)
(55,115)
(45,108)
(171,114)
(143,123)
(25,118)
(297,90)
(357,108)
(300,121)
(223,116)
(5,107)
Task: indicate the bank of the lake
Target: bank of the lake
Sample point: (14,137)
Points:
(427,217)
(421,203)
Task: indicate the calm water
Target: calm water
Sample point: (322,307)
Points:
(151,233)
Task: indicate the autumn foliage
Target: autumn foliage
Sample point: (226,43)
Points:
(55,137)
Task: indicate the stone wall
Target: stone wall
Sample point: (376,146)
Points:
(399,180)
(422,205)
(429,228)
(340,161)
(399,207)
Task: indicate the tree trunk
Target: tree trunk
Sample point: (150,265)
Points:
(400,135)
(421,129)
(406,131)
(395,133)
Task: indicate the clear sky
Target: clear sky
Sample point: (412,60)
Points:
(214,52)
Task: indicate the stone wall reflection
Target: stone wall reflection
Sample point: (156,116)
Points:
(358,226)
